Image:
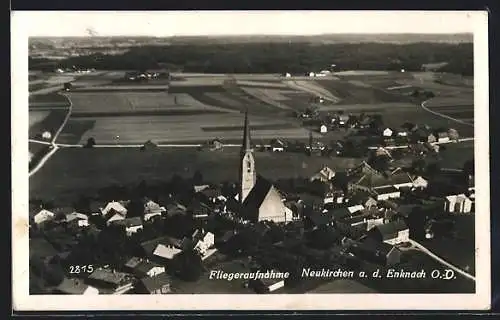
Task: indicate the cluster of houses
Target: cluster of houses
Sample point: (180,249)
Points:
(146,274)
(372,208)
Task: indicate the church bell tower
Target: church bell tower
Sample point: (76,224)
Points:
(248,175)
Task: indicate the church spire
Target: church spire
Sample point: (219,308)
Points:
(246,146)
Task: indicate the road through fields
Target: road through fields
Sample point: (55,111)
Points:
(55,147)
(423,105)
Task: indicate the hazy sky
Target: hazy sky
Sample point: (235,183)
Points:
(162,23)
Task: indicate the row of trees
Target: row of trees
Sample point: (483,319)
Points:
(276,57)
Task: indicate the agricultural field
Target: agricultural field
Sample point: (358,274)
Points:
(50,123)
(185,128)
(48,102)
(72,167)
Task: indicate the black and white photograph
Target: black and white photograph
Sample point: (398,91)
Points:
(318,158)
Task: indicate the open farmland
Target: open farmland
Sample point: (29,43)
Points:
(185,128)
(349,93)
(134,103)
(48,102)
(37,116)
(72,167)
(50,123)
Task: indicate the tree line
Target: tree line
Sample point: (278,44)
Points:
(295,58)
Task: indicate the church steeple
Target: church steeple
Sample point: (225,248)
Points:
(248,174)
(247,144)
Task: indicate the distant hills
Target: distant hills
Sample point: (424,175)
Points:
(315,39)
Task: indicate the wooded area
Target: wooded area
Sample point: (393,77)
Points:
(295,58)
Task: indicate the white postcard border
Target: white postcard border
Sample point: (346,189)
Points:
(22,301)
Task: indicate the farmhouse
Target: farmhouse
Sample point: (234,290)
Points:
(116,206)
(442,137)
(166,252)
(79,219)
(378,252)
(159,284)
(258,198)
(277,145)
(110,281)
(392,233)
(387,132)
(420,183)
(216,144)
(152,209)
(42,216)
(458,204)
(323,129)
(386,192)
(143,268)
(324,175)
(75,286)
(132,225)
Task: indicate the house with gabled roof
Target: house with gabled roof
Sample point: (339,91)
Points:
(152,209)
(166,252)
(143,267)
(378,252)
(159,284)
(75,286)
(110,281)
(114,206)
(392,233)
(132,225)
(42,216)
(324,175)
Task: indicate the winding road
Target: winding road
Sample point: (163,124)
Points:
(423,105)
(52,143)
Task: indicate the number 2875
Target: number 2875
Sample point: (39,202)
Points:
(86,268)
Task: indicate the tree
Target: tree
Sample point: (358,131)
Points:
(468,167)
(197,178)
(90,143)
(418,165)
(188,265)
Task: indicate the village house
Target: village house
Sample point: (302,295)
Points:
(324,175)
(173,209)
(152,209)
(79,219)
(377,252)
(277,145)
(458,204)
(431,138)
(205,245)
(143,267)
(373,221)
(386,192)
(42,216)
(158,284)
(392,233)
(267,285)
(116,207)
(343,118)
(323,128)
(75,286)
(110,281)
(387,132)
(419,183)
(166,252)
(355,208)
(370,203)
(132,225)
(442,137)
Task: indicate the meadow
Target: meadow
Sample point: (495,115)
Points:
(66,175)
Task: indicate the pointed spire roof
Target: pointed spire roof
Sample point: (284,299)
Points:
(246,146)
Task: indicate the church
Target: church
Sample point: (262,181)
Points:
(259,199)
